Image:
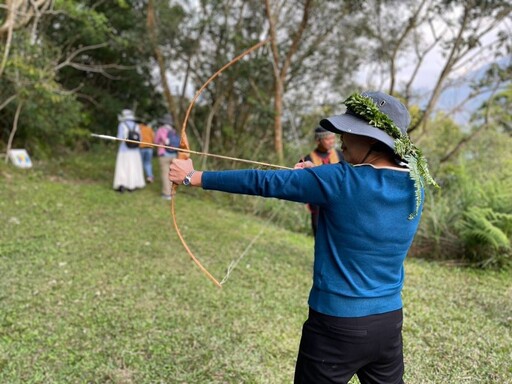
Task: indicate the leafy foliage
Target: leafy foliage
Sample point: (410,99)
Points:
(469,218)
(73,71)
(31,77)
(487,235)
(496,110)
(115,73)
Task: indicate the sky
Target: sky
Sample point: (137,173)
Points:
(431,70)
(369,77)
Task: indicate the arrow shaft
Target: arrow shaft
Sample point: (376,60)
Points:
(106,137)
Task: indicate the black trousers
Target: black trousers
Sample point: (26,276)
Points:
(333,349)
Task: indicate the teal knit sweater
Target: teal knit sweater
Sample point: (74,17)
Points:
(363,231)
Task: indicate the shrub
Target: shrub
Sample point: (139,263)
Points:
(468,220)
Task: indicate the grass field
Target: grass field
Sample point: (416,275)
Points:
(96,288)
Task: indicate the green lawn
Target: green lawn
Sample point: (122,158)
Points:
(96,288)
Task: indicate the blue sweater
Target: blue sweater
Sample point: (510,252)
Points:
(363,231)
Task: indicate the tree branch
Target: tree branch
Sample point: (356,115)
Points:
(14,129)
(296,39)
(9,27)
(6,102)
(473,134)
(410,27)
(97,68)
(153,35)
(452,58)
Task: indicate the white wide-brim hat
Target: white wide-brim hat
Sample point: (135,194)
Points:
(126,114)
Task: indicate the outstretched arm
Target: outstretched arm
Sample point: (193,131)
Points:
(317,185)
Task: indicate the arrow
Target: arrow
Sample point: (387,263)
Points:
(106,137)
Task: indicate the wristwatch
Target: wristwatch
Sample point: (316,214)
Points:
(188,178)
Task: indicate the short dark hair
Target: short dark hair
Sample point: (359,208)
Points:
(320,133)
(380,147)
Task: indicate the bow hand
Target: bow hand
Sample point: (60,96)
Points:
(304,164)
(179,169)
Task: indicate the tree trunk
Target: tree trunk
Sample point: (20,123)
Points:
(7,28)
(278,88)
(278,123)
(280,73)
(153,34)
(411,25)
(208,128)
(13,132)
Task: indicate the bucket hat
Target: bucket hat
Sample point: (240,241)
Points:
(321,133)
(126,114)
(352,121)
(166,120)
(385,118)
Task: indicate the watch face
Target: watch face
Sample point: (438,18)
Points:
(187,180)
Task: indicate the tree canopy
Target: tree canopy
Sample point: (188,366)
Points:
(69,66)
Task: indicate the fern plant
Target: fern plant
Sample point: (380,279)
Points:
(486,235)
(469,220)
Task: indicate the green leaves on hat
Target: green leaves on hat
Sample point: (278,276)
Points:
(365,108)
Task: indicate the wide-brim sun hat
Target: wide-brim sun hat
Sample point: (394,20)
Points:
(126,114)
(385,118)
(352,121)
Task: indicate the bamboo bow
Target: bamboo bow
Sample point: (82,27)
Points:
(184,155)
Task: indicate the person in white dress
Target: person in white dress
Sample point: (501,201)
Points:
(129,173)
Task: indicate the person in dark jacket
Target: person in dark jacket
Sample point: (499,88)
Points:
(324,153)
(370,208)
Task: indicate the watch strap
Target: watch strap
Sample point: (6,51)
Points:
(187,180)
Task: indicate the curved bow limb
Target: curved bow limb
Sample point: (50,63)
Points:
(182,155)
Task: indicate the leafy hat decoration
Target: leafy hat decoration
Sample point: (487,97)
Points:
(364,107)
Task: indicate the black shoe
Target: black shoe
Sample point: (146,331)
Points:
(120,189)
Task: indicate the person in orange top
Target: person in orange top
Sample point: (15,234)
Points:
(147,135)
(324,153)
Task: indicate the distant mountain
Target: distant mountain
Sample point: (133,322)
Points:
(452,97)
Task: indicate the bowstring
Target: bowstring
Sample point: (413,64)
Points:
(234,263)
